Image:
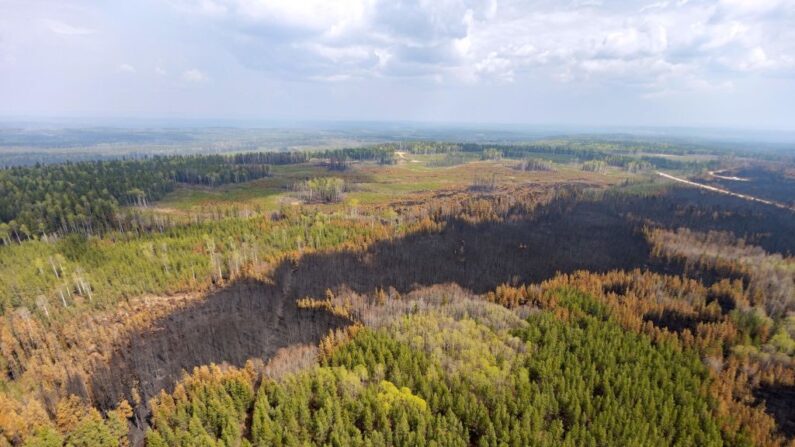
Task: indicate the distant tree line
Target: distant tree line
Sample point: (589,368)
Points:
(340,159)
(271,158)
(335,159)
(430,147)
(626,156)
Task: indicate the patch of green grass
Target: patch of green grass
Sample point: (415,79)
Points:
(374,184)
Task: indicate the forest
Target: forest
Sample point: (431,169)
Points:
(555,292)
(85,197)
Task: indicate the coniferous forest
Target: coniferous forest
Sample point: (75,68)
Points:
(558,292)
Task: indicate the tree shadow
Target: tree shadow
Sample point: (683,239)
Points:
(780,403)
(478,256)
(247,319)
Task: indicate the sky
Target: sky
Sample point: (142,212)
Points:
(715,63)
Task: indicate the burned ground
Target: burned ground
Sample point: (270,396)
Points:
(779,401)
(478,256)
(247,319)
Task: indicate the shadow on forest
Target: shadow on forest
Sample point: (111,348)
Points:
(563,236)
(478,256)
(247,319)
(780,403)
(673,321)
(769,227)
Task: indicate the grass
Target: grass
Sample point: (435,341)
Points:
(264,192)
(372,184)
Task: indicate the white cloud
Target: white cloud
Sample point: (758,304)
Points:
(194,75)
(631,42)
(722,34)
(625,49)
(756,59)
(497,66)
(331,17)
(62,28)
(658,45)
(753,7)
(653,6)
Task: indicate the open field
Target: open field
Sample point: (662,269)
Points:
(372,184)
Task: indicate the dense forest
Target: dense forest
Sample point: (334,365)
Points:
(590,305)
(85,197)
(490,379)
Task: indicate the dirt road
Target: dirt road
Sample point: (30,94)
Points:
(725,191)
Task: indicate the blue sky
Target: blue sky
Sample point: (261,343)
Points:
(579,62)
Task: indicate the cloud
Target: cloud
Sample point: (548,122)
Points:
(757,59)
(452,59)
(194,75)
(747,8)
(479,40)
(66,29)
(318,38)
